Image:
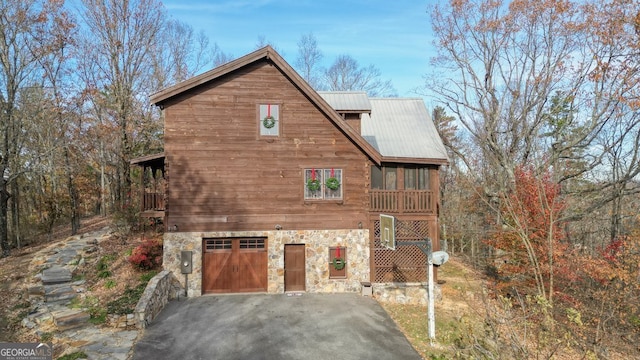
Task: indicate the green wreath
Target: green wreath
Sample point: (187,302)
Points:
(338,263)
(313,184)
(333,183)
(269,122)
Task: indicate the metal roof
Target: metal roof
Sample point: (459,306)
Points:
(402,128)
(347,101)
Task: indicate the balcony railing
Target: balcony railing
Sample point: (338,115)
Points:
(402,201)
(152,201)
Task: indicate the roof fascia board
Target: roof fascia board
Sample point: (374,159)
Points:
(147,158)
(426,161)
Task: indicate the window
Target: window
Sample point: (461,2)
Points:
(269,119)
(217,244)
(383,178)
(416,178)
(323,184)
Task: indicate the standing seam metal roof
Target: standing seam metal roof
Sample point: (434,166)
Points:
(402,127)
(347,101)
(396,127)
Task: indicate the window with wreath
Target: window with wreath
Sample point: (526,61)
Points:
(323,184)
(269,119)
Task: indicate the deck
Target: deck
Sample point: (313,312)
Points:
(402,202)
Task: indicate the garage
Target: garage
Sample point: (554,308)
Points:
(234,265)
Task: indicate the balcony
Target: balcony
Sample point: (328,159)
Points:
(152,204)
(402,201)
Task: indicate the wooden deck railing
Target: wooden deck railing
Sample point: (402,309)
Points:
(152,201)
(402,201)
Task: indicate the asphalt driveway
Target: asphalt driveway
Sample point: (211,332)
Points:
(310,326)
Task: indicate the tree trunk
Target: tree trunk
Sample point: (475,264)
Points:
(15,213)
(103,189)
(4,207)
(73,195)
(616,210)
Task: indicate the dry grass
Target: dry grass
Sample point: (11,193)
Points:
(456,311)
(466,317)
(18,270)
(113,253)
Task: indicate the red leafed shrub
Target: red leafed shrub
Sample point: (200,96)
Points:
(147,255)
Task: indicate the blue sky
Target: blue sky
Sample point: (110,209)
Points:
(393,35)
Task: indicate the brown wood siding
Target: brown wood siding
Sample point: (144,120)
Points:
(225,177)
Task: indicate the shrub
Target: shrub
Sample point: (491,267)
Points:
(147,255)
(110,284)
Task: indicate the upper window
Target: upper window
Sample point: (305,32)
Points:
(269,119)
(384,178)
(416,178)
(322,184)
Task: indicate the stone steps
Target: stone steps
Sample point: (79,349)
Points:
(69,318)
(55,275)
(57,287)
(59,293)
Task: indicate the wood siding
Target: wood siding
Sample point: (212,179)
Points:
(224,176)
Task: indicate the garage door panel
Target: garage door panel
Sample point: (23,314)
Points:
(219,269)
(253,271)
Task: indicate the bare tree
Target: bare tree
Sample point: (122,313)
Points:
(345,74)
(308,61)
(26,29)
(262,42)
(120,40)
(180,54)
(501,65)
(220,57)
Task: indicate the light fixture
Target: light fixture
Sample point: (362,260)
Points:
(278,227)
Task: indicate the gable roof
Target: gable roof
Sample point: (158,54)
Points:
(401,129)
(268,53)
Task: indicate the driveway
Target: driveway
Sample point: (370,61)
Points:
(309,326)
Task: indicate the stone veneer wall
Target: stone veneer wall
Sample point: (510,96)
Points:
(404,293)
(317,243)
(160,289)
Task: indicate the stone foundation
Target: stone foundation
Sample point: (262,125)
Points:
(160,289)
(404,293)
(317,243)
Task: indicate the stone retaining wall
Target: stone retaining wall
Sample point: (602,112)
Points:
(160,289)
(121,321)
(317,243)
(404,293)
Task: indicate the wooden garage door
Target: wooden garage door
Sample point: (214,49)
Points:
(234,265)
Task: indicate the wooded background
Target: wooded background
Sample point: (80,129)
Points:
(539,108)
(537,102)
(74,103)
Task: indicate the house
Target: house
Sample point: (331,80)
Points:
(275,187)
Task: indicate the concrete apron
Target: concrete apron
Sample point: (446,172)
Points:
(284,326)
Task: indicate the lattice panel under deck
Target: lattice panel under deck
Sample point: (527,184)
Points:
(406,263)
